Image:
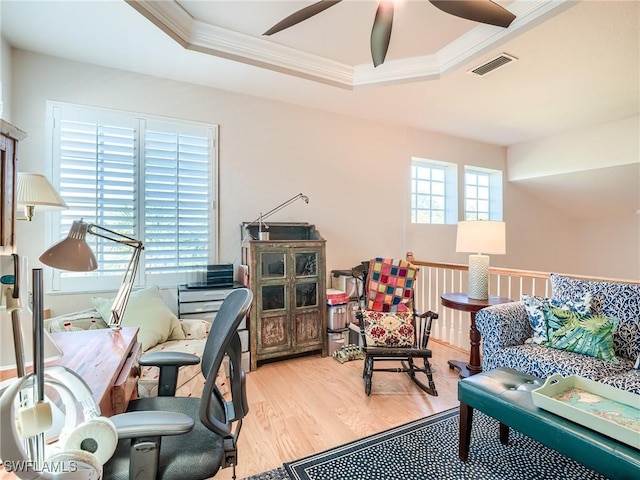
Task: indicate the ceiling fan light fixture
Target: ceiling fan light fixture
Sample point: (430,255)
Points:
(492,65)
(482,11)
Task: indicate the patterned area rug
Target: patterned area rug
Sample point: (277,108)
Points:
(428,449)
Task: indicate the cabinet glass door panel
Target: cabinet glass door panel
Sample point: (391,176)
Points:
(273,297)
(306,295)
(273,264)
(306,264)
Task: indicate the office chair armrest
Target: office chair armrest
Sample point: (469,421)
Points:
(161,359)
(151,424)
(169,364)
(145,430)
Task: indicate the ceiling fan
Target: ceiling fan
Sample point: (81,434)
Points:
(483,11)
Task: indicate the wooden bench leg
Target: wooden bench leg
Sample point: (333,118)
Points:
(466,419)
(504,434)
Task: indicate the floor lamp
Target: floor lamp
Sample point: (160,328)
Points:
(484,237)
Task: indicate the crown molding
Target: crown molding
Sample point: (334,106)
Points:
(256,51)
(195,35)
(169,17)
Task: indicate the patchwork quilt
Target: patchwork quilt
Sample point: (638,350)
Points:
(390,284)
(388,318)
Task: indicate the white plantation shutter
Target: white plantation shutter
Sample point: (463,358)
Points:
(145,178)
(177,202)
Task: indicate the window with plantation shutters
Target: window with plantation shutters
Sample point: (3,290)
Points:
(145,177)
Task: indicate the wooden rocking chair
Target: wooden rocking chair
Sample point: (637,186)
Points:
(390,327)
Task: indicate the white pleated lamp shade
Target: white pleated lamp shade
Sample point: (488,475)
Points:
(33,189)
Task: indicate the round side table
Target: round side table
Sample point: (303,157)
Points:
(462,302)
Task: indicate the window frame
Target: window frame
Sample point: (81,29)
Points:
(450,196)
(72,283)
(494,190)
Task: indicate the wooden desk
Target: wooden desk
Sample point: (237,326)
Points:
(462,302)
(107,360)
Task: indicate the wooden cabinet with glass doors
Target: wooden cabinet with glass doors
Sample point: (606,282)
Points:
(288,280)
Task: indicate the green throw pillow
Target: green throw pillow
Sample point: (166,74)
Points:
(587,334)
(147,311)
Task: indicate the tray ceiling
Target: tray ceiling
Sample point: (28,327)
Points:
(332,47)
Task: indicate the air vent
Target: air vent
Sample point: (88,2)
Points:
(493,65)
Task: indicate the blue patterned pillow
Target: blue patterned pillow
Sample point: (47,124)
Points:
(536,307)
(619,300)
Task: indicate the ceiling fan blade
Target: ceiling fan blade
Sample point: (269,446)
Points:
(381,31)
(301,15)
(483,11)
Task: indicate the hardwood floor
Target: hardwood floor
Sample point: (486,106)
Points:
(309,404)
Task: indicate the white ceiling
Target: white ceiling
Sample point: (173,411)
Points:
(578,64)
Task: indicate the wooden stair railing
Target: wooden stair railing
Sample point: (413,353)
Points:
(452,326)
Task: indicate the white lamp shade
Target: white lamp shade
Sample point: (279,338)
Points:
(481,236)
(7,352)
(34,189)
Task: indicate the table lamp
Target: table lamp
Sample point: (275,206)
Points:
(34,190)
(484,237)
(74,254)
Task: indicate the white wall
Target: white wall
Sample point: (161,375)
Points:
(355,172)
(605,145)
(609,247)
(5,80)
(600,241)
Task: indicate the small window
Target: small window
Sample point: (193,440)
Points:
(482,194)
(433,192)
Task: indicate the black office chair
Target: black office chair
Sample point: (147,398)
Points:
(390,327)
(187,438)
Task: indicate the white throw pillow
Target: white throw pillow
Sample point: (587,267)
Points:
(147,311)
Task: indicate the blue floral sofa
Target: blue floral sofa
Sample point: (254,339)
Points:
(507,333)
